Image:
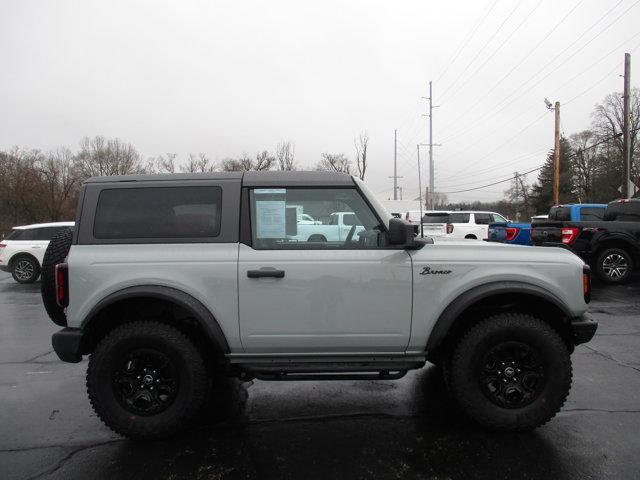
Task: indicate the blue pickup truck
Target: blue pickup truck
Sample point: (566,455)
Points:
(520,233)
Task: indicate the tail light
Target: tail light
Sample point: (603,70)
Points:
(62,284)
(2,245)
(512,232)
(586,283)
(449,228)
(569,235)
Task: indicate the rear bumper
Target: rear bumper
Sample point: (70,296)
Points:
(66,343)
(583,328)
(5,268)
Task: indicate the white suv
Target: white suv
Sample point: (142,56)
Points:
(21,251)
(472,225)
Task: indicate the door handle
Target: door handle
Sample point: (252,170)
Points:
(265,272)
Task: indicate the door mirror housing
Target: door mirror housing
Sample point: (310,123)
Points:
(401,233)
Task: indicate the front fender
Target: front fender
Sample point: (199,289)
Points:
(474,295)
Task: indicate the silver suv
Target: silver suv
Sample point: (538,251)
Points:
(169,281)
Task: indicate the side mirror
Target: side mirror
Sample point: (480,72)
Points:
(400,233)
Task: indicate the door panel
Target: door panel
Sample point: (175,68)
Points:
(327,300)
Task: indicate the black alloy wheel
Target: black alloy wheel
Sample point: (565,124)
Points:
(512,374)
(146,382)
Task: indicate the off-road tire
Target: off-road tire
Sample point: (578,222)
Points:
(467,362)
(192,380)
(19,261)
(614,252)
(56,253)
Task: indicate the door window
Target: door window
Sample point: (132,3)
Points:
(342,219)
(498,218)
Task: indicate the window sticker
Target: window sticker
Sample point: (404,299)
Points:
(271,212)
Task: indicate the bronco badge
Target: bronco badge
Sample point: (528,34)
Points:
(428,271)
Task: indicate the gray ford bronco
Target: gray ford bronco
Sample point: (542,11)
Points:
(168,282)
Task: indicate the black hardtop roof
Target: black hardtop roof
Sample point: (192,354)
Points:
(249,179)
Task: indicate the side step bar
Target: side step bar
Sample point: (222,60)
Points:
(284,376)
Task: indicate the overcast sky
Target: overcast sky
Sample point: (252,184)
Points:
(227,78)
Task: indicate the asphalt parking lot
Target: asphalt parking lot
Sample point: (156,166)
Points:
(383,429)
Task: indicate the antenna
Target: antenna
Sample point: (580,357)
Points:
(420,190)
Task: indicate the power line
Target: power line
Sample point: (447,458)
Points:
(505,99)
(468,39)
(604,140)
(451,84)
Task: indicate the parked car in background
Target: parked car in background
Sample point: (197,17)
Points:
(611,245)
(520,233)
(577,212)
(434,222)
(510,232)
(340,225)
(472,225)
(21,251)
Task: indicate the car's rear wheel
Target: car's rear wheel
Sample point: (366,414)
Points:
(614,265)
(147,380)
(25,269)
(511,372)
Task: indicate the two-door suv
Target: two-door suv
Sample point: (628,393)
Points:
(169,281)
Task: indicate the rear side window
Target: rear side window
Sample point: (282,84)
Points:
(561,214)
(158,212)
(483,218)
(15,234)
(459,217)
(588,214)
(435,218)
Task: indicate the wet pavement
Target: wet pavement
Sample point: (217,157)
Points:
(348,429)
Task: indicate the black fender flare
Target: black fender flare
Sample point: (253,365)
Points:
(465,300)
(201,313)
(620,238)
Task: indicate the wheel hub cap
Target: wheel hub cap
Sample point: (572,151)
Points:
(615,265)
(146,382)
(512,374)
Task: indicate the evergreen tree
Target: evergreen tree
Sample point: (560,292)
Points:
(542,190)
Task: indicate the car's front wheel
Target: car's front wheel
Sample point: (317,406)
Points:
(511,372)
(146,380)
(25,269)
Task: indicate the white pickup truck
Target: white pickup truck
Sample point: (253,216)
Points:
(337,230)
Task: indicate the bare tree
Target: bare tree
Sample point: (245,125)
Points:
(334,162)
(361,143)
(198,164)
(285,153)
(262,161)
(608,120)
(99,156)
(166,163)
(59,181)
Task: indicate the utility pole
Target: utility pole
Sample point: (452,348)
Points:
(517,198)
(556,157)
(420,190)
(395,166)
(431,145)
(626,128)
(431,182)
